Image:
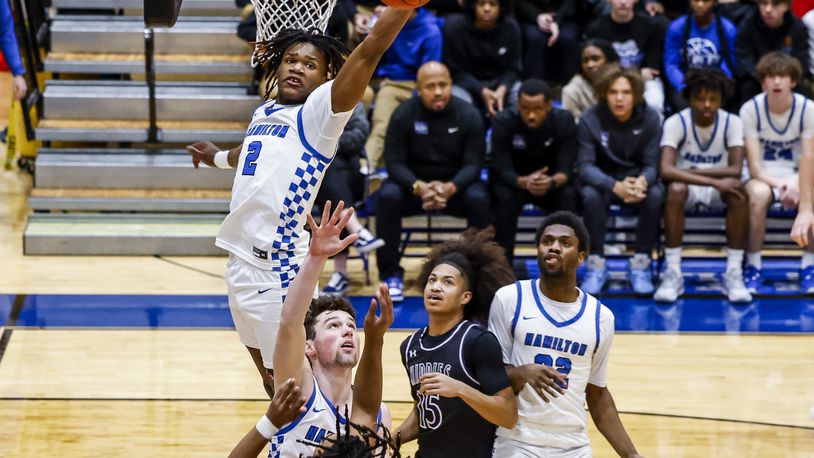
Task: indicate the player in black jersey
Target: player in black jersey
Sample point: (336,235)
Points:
(458,381)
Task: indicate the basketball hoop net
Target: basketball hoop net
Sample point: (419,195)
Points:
(276,15)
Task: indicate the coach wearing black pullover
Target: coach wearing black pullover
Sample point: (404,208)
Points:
(433,151)
(533,157)
(482,49)
(618,162)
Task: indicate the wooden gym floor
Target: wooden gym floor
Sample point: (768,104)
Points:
(99,391)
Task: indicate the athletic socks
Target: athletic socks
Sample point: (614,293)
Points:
(673,258)
(641,261)
(807,260)
(734,259)
(754,259)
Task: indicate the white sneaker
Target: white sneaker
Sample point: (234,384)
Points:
(671,287)
(735,288)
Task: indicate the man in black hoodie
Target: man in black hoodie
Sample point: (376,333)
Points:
(618,162)
(532,160)
(771,28)
(482,50)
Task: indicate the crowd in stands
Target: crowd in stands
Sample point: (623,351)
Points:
(656,106)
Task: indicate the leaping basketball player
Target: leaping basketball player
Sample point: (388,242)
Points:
(551,322)
(290,143)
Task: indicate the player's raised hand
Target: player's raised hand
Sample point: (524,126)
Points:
(286,405)
(376,326)
(326,238)
(439,384)
(202,152)
(546,381)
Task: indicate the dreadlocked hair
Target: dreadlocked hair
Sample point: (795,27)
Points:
(365,444)
(479,258)
(269,54)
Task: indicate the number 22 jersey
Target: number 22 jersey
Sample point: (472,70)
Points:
(574,338)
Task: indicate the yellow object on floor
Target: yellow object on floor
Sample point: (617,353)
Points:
(17,140)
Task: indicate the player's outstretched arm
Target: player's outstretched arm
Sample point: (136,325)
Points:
(607,421)
(801,231)
(367,392)
(289,350)
(286,405)
(352,80)
(205,152)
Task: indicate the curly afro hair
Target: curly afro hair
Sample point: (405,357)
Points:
(365,443)
(481,260)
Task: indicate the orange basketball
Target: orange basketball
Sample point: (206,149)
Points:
(405,4)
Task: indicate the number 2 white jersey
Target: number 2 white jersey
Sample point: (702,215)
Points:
(574,339)
(781,135)
(285,154)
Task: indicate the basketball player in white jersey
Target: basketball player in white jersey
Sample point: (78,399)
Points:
(553,323)
(779,128)
(320,354)
(290,142)
(702,162)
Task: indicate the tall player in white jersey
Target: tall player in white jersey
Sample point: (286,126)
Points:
(290,142)
(702,162)
(553,323)
(779,129)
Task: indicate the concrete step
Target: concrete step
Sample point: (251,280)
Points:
(125,205)
(125,169)
(112,100)
(176,64)
(96,131)
(148,234)
(125,34)
(224,7)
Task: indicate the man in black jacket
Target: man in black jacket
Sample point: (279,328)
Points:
(771,28)
(482,50)
(618,162)
(532,160)
(433,150)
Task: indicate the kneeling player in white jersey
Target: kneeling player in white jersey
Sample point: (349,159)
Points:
(320,354)
(702,163)
(551,322)
(779,129)
(290,142)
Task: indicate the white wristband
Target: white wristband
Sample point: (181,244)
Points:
(266,428)
(222,160)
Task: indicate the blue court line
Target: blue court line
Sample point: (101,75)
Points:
(771,315)
(6,302)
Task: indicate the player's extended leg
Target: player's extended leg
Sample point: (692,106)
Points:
(672,282)
(267,375)
(760,197)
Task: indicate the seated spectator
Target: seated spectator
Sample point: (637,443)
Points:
(700,39)
(702,162)
(343,181)
(417,43)
(637,40)
(550,37)
(779,129)
(617,163)
(532,160)
(578,94)
(433,150)
(482,49)
(771,28)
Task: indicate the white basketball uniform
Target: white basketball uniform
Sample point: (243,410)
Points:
(780,135)
(702,148)
(285,154)
(575,339)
